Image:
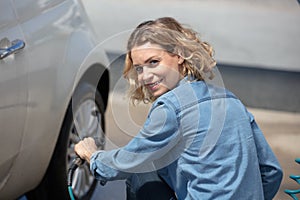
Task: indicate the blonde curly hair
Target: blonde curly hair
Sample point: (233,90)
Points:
(171,36)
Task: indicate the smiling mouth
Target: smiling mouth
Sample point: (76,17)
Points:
(151,85)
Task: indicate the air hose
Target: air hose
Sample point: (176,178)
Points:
(75,164)
(296,178)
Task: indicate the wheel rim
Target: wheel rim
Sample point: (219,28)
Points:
(86,123)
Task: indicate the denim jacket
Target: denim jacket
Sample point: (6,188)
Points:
(203,142)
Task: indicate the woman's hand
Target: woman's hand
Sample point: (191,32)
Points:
(85,148)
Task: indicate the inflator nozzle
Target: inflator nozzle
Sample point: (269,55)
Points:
(75,164)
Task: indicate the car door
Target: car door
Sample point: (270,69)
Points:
(13,79)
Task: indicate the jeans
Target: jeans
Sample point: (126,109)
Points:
(148,186)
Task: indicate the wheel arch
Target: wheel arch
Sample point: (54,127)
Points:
(97,75)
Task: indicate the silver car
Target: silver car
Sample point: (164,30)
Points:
(54,87)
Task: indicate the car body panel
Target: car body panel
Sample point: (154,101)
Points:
(40,79)
(13,98)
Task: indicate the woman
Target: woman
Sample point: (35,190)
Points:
(199,140)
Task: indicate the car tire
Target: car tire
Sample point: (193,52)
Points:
(54,184)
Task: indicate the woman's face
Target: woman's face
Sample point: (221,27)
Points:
(157,70)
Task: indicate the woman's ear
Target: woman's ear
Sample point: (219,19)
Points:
(180,60)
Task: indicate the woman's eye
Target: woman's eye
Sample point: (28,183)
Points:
(154,62)
(139,69)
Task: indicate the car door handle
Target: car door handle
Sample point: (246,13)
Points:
(15,46)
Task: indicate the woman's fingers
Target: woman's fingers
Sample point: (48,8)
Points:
(85,148)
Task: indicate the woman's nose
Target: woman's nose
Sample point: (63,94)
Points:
(147,75)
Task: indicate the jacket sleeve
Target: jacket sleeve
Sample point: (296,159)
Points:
(142,154)
(271,172)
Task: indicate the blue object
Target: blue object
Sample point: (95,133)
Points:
(296,178)
(203,142)
(71,193)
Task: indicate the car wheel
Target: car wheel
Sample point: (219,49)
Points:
(84,118)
